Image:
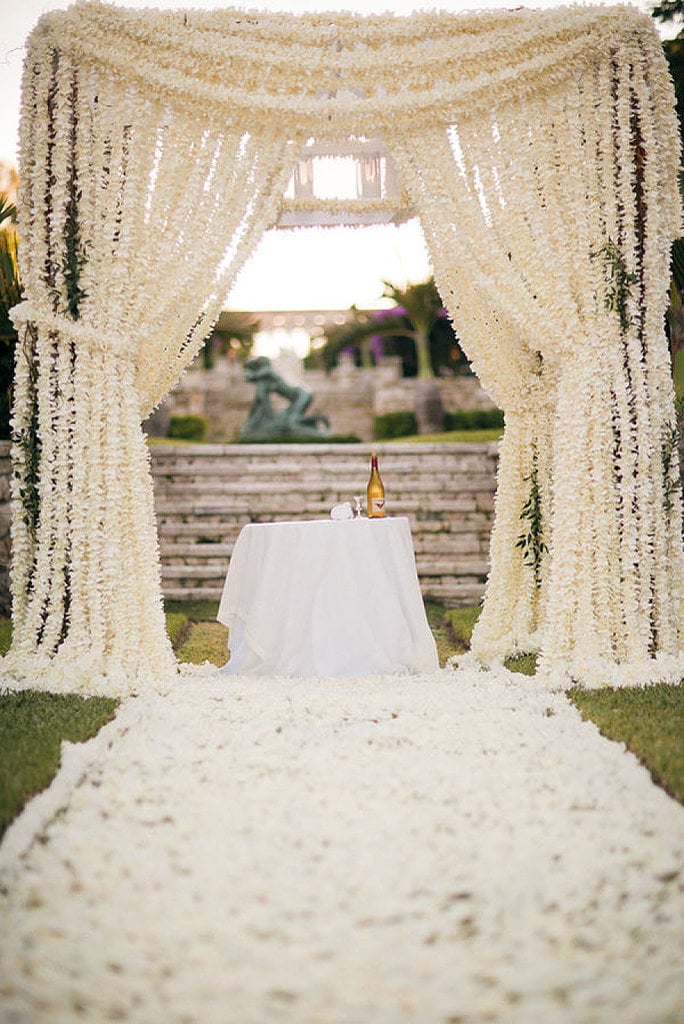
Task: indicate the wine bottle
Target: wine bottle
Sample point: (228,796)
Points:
(375,491)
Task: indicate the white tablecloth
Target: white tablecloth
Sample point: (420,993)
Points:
(326,598)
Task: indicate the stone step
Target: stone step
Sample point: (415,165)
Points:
(204,495)
(466,565)
(192,593)
(414,484)
(454,592)
(424,545)
(356,456)
(450,592)
(295,458)
(214,521)
(194,572)
(288,453)
(172,553)
(304,505)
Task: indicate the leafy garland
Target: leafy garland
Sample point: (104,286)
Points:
(531,542)
(620,281)
(670,463)
(27,440)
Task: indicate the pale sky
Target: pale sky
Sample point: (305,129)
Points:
(310,268)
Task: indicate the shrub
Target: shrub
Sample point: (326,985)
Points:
(303,439)
(473,419)
(188,428)
(394,424)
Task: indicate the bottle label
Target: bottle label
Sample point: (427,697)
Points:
(377,507)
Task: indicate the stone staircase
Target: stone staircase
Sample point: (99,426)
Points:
(205,494)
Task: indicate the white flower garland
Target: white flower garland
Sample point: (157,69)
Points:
(540,151)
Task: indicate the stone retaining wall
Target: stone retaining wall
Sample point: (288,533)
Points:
(205,494)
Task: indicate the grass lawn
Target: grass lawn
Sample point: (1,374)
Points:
(451,436)
(32,727)
(476,436)
(650,722)
(679,373)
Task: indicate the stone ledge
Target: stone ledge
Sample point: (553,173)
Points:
(446,491)
(210,492)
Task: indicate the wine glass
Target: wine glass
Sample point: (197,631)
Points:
(357,506)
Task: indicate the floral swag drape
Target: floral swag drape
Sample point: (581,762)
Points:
(540,150)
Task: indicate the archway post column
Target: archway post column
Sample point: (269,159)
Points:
(87,598)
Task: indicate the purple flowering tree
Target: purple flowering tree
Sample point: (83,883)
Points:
(417,309)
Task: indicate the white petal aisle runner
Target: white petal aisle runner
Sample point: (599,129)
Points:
(446,849)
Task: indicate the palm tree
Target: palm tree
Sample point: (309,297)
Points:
(417,314)
(423,308)
(10,295)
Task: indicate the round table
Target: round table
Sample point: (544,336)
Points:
(326,598)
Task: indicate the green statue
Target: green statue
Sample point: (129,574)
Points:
(264,423)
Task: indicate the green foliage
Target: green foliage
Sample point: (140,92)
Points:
(618,283)
(422,308)
(531,540)
(650,721)
(233,334)
(176,627)
(678,366)
(461,622)
(668,458)
(28,439)
(668,10)
(207,641)
(10,295)
(193,611)
(416,329)
(5,636)
(474,419)
(525,664)
(394,424)
(32,727)
(294,438)
(677,265)
(188,428)
(75,257)
(674,51)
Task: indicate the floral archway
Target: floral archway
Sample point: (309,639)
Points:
(540,150)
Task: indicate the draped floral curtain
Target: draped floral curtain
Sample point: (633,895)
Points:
(136,215)
(540,151)
(551,242)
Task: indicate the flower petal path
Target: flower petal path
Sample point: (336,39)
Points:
(457,848)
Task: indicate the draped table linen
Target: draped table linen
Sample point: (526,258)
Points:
(326,598)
